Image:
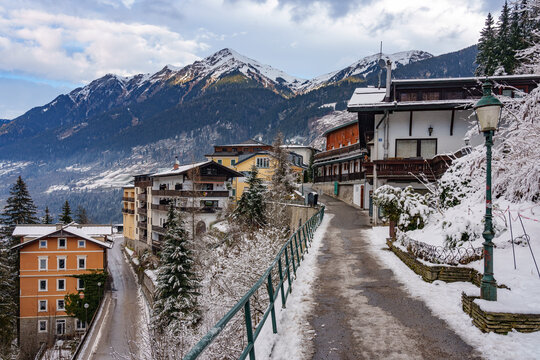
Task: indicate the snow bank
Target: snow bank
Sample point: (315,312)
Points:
(293,327)
(444,299)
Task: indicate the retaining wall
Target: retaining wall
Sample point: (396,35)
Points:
(501,323)
(345,191)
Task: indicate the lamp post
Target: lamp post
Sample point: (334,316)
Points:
(86,306)
(488,113)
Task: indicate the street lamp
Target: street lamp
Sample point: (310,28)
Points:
(488,113)
(86,306)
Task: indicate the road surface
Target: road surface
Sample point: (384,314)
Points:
(361,311)
(116,333)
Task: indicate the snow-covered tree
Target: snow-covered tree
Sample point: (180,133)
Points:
(176,306)
(47,218)
(529,55)
(19,209)
(283,178)
(66,214)
(252,204)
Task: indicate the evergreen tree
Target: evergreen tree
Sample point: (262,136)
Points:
(486,57)
(251,206)
(505,53)
(177,286)
(19,209)
(65,218)
(47,218)
(529,55)
(80,216)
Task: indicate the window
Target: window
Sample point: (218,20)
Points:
(234,149)
(42,244)
(207,187)
(209,203)
(42,305)
(43,262)
(60,327)
(408,96)
(62,243)
(80,284)
(42,285)
(220,161)
(80,325)
(233,162)
(431,95)
(61,262)
(81,243)
(233,192)
(177,186)
(416,148)
(60,305)
(81,262)
(60,284)
(42,326)
(263,163)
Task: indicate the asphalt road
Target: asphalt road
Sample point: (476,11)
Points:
(116,333)
(361,311)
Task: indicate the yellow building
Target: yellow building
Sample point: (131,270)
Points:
(265,163)
(128,215)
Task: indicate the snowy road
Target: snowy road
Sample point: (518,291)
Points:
(361,311)
(116,334)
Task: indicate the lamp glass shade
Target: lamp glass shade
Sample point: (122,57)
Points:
(488,117)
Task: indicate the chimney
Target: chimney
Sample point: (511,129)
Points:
(388,79)
(176,163)
(59,226)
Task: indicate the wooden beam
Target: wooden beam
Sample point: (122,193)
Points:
(452,122)
(410,124)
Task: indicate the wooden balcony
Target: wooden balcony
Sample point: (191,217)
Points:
(159,229)
(342,177)
(202,210)
(128,211)
(186,193)
(129,199)
(142,210)
(408,169)
(160,207)
(142,224)
(337,152)
(141,197)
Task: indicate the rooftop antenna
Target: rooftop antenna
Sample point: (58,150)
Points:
(382,65)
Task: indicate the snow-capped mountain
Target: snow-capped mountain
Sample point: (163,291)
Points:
(367,66)
(85,143)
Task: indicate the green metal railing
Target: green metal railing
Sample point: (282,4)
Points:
(279,273)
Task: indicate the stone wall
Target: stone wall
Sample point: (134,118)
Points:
(501,323)
(299,214)
(31,339)
(436,272)
(345,191)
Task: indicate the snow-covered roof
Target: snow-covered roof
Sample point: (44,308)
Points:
(76,230)
(367,96)
(36,230)
(411,105)
(181,169)
(466,79)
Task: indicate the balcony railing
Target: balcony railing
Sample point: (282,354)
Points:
(409,169)
(342,177)
(128,211)
(159,229)
(205,209)
(130,199)
(337,152)
(186,193)
(142,224)
(142,210)
(141,197)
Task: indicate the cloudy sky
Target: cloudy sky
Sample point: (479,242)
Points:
(49,47)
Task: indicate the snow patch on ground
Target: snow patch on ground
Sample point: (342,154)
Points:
(292,322)
(444,299)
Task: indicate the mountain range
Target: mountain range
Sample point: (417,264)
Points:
(84,145)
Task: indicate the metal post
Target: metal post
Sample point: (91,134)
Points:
(292,257)
(488,289)
(288,270)
(249,330)
(272,309)
(296,247)
(281,282)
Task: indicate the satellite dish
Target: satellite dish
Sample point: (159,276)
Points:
(382,63)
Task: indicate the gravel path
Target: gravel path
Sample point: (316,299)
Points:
(361,311)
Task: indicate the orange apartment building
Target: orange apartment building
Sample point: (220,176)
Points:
(48,256)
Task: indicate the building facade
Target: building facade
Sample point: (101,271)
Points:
(49,256)
(420,125)
(200,191)
(128,215)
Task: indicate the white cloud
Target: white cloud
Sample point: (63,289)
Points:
(71,48)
